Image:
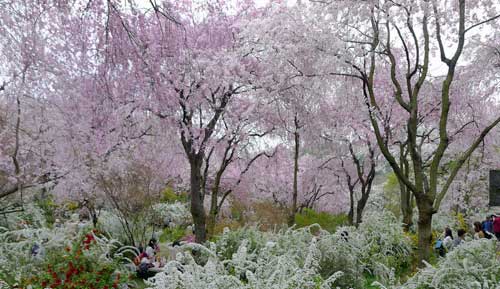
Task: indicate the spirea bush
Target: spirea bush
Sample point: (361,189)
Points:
(16,262)
(176,212)
(245,270)
(386,245)
(308,257)
(67,256)
(472,265)
(93,261)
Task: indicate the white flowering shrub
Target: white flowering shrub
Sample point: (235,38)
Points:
(136,230)
(27,231)
(176,212)
(228,243)
(472,265)
(343,251)
(387,245)
(308,257)
(111,223)
(442,220)
(16,260)
(245,270)
(31,216)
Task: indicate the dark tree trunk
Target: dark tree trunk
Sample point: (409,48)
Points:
(406,207)
(197,209)
(212,215)
(406,195)
(350,215)
(365,193)
(293,210)
(424,233)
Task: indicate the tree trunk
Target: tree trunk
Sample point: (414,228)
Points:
(293,210)
(197,209)
(406,207)
(211,221)
(425,213)
(350,215)
(212,214)
(361,206)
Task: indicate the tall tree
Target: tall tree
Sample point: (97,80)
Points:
(194,73)
(400,33)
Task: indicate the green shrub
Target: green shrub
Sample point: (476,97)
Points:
(171,234)
(48,207)
(392,194)
(229,242)
(327,221)
(170,196)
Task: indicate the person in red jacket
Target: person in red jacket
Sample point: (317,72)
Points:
(496,226)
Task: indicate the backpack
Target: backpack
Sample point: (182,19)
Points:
(440,248)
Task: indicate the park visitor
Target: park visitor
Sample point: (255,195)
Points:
(478,231)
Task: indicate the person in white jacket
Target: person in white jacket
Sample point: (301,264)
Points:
(448,239)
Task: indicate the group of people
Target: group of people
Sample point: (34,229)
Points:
(149,261)
(488,229)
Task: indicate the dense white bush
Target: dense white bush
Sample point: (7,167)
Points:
(16,245)
(472,265)
(442,220)
(294,258)
(245,270)
(176,212)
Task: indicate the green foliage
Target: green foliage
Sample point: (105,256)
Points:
(72,206)
(327,221)
(48,207)
(461,221)
(237,211)
(171,234)
(392,194)
(170,196)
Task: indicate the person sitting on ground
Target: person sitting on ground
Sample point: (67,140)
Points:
(143,270)
(448,239)
(478,231)
(460,239)
(152,249)
(142,254)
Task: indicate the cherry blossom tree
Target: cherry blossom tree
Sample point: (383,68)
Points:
(382,30)
(27,77)
(190,72)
